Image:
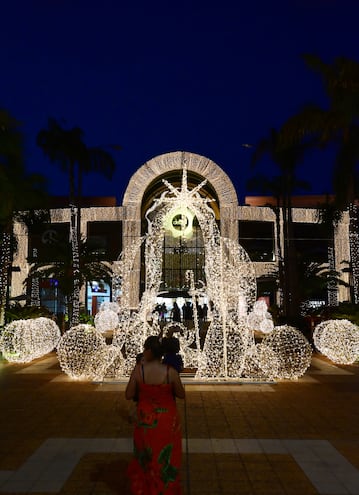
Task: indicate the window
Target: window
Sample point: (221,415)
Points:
(105,239)
(257,238)
(180,255)
(44,238)
(311,241)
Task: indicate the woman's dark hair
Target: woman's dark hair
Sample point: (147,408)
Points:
(153,344)
(170,345)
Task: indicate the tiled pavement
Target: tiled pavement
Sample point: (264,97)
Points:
(60,436)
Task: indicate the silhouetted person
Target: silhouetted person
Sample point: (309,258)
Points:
(176,312)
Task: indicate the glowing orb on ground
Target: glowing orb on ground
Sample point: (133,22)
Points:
(261,363)
(292,350)
(338,340)
(25,340)
(84,355)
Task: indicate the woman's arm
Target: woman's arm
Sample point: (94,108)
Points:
(131,388)
(178,388)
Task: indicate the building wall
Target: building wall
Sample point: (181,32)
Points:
(130,216)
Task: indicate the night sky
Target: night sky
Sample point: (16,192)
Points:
(154,77)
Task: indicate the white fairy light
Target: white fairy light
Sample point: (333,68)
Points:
(75,297)
(261,363)
(110,305)
(230,284)
(338,340)
(332,285)
(35,286)
(259,319)
(187,338)
(354,248)
(292,350)
(229,350)
(106,320)
(22,341)
(84,355)
(5,263)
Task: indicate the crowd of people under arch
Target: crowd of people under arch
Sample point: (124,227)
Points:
(184,314)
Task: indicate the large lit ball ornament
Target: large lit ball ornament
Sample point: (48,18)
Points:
(292,350)
(261,363)
(106,321)
(338,340)
(25,340)
(82,353)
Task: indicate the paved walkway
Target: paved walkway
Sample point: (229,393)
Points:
(60,436)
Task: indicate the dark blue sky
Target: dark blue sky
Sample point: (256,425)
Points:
(155,77)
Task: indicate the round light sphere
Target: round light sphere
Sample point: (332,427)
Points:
(25,340)
(261,363)
(81,353)
(292,350)
(338,340)
(106,320)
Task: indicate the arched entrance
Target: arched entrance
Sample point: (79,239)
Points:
(147,184)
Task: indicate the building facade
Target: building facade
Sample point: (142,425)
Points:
(112,229)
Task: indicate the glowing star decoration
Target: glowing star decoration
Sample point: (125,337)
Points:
(292,351)
(22,341)
(106,321)
(338,340)
(230,285)
(84,355)
(229,349)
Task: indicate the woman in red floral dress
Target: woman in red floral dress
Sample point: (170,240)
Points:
(155,469)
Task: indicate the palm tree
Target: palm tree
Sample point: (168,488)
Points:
(66,148)
(18,191)
(61,268)
(338,125)
(287,158)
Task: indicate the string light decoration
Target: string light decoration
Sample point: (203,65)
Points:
(106,320)
(75,297)
(261,363)
(110,305)
(354,248)
(84,355)
(338,340)
(332,285)
(229,350)
(35,286)
(259,319)
(187,339)
(230,279)
(22,341)
(5,264)
(218,362)
(292,350)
